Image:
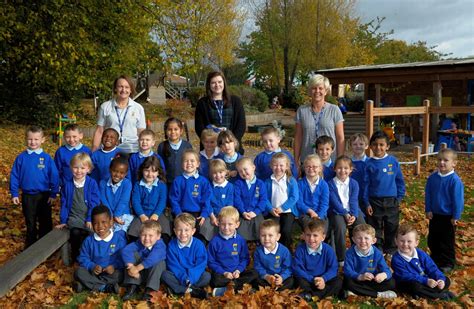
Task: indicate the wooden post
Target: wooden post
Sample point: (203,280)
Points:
(416,154)
(426,128)
(369,121)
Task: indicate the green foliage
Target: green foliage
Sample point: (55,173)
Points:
(397,51)
(195,93)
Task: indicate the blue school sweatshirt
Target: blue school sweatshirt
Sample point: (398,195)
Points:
(322,264)
(227,255)
(204,165)
(62,159)
(262,161)
(221,197)
(173,161)
(383,178)
(191,194)
(134,162)
(118,202)
(186,263)
(34,173)
(317,201)
(148,257)
(145,202)
(328,171)
(293,196)
(91,198)
(374,263)
(253,199)
(272,263)
(102,252)
(101,160)
(358,174)
(444,195)
(335,203)
(419,270)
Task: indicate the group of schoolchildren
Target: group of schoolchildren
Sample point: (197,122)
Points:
(119,212)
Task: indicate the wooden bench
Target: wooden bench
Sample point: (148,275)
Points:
(15,270)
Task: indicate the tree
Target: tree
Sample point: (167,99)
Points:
(398,51)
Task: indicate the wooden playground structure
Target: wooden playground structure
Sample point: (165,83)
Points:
(425,111)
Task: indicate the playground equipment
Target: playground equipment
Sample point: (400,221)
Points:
(64,119)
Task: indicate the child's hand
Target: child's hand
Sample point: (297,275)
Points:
(89,225)
(441,284)
(214,220)
(246,215)
(119,221)
(380,277)
(201,220)
(278,280)
(154,217)
(369,210)
(275,212)
(312,214)
(365,277)
(97,269)
(133,271)
(143,218)
(16,200)
(319,283)
(51,200)
(454,222)
(270,279)
(232,174)
(228,275)
(61,226)
(429,215)
(109,269)
(431,283)
(252,215)
(236,274)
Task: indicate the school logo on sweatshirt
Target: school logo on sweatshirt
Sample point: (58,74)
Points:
(112,249)
(257,192)
(235,249)
(196,190)
(390,169)
(370,265)
(41,163)
(277,261)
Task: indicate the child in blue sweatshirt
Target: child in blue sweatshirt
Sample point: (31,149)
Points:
(228,254)
(210,151)
(444,203)
(149,197)
(384,191)
(271,143)
(414,271)
(315,264)
(343,212)
(35,173)
(102,157)
(229,145)
(62,158)
(146,142)
(359,143)
(365,270)
(283,194)
(115,193)
(324,148)
(191,193)
(272,260)
(79,196)
(100,263)
(313,199)
(144,260)
(250,199)
(222,190)
(186,260)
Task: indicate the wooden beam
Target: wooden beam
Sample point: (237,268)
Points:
(397,111)
(16,269)
(452,110)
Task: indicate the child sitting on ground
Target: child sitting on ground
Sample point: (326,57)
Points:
(222,190)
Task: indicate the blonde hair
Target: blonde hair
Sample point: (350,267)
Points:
(217,165)
(185,218)
(147,132)
(318,79)
(151,225)
(406,228)
(206,133)
(244,160)
(270,130)
(360,136)
(229,212)
(447,151)
(82,158)
(282,156)
(364,228)
(314,157)
(193,152)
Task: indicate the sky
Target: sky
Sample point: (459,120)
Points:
(448,24)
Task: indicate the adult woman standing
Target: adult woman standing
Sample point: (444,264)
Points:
(219,110)
(316,119)
(123,114)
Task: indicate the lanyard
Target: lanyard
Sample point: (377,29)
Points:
(121,121)
(317,121)
(219,104)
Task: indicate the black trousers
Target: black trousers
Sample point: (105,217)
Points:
(417,289)
(37,213)
(287,284)
(368,288)
(385,220)
(441,240)
(76,237)
(96,282)
(337,232)
(247,276)
(332,288)
(286,221)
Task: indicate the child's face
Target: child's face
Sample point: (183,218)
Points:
(312,168)
(118,172)
(173,131)
(102,223)
(149,237)
(150,174)
(190,163)
(80,170)
(324,151)
(363,241)
(313,238)
(73,137)
(210,143)
(407,243)
(246,170)
(228,226)
(379,147)
(109,140)
(269,237)
(343,170)
(358,147)
(184,232)
(446,163)
(228,147)
(279,167)
(146,142)
(271,142)
(34,140)
(219,177)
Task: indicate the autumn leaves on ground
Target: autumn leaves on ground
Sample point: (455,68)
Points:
(49,284)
